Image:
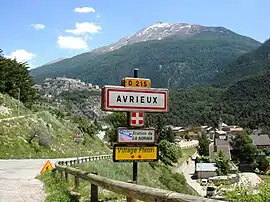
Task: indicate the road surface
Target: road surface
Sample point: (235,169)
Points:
(14,117)
(17,180)
(187,144)
(188,170)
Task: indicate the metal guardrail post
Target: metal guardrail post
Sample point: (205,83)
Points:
(94,192)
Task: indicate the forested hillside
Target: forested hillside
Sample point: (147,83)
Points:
(192,106)
(249,64)
(172,61)
(245,103)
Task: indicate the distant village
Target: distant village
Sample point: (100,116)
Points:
(52,87)
(220,139)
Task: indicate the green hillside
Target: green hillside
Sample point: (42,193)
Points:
(173,61)
(249,64)
(40,134)
(191,106)
(247,102)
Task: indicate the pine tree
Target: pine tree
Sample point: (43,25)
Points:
(15,80)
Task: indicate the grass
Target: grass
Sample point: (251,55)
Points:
(265,177)
(15,133)
(11,105)
(56,133)
(56,189)
(150,174)
(187,152)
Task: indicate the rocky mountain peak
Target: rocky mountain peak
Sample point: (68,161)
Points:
(158,31)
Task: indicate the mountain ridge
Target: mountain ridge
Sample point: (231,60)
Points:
(188,55)
(247,65)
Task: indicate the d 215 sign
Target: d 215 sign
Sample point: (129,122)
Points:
(118,98)
(123,153)
(138,136)
(137,82)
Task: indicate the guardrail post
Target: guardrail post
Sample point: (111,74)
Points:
(77,182)
(94,192)
(130,199)
(66,176)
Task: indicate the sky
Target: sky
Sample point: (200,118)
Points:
(41,31)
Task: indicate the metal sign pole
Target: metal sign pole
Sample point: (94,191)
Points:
(135,164)
(77,152)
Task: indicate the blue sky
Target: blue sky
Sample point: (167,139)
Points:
(40,31)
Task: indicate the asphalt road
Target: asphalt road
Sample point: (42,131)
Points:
(17,180)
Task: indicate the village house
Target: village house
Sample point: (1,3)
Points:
(205,170)
(261,141)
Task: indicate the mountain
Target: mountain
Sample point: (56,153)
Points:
(250,64)
(174,55)
(247,101)
(158,31)
(54,61)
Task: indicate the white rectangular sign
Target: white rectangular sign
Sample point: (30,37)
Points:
(118,98)
(146,135)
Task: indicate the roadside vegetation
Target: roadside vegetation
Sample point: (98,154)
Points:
(153,174)
(42,134)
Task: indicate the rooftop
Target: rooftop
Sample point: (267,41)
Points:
(206,167)
(261,140)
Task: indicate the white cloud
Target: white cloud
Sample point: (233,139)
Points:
(85,28)
(38,26)
(84,10)
(21,55)
(98,16)
(71,42)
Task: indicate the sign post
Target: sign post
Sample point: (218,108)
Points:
(135,143)
(78,139)
(135,163)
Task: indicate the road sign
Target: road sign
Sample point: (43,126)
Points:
(48,166)
(123,153)
(136,119)
(138,136)
(78,137)
(137,82)
(118,98)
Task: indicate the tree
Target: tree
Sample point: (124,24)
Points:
(202,159)
(15,80)
(262,162)
(157,121)
(115,120)
(203,145)
(222,163)
(243,149)
(85,125)
(246,192)
(169,153)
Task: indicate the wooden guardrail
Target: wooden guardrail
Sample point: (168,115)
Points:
(131,191)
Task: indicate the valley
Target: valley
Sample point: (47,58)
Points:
(216,131)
